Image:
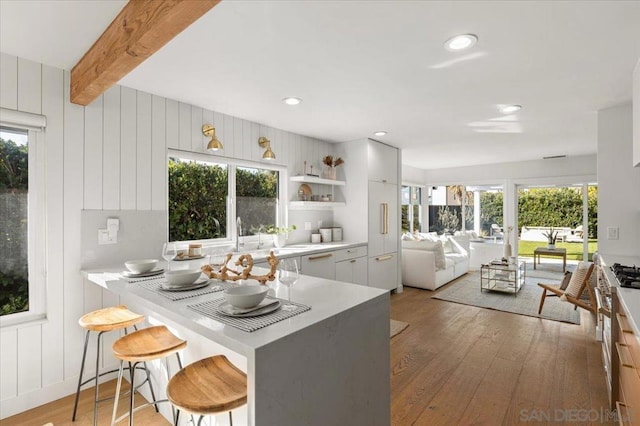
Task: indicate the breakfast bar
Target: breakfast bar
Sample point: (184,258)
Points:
(326,365)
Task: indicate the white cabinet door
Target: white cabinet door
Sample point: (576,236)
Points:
(383,218)
(383,271)
(320,265)
(352,271)
(383,162)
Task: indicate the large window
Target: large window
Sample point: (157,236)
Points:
(411,208)
(206,195)
(14,218)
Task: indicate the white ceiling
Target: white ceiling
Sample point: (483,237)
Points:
(365,66)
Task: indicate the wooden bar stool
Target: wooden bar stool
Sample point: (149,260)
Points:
(102,321)
(143,345)
(209,386)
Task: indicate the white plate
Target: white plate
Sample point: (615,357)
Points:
(199,283)
(224,309)
(129,274)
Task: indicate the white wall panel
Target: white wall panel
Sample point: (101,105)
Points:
(196,130)
(185,126)
(8,81)
(93,155)
(111,149)
(73,194)
(128,150)
(143,154)
(29,359)
(172,124)
(218,123)
(29,86)
(239,139)
(158,154)
(207,118)
(53,329)
(9,363)
(229,142)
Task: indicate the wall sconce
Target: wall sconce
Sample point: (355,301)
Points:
(266,143)
(214,144)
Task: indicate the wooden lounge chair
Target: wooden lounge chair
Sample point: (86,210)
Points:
(570,294)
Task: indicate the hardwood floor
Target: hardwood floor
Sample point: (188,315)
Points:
(59,412)
(463,365)
(454,365)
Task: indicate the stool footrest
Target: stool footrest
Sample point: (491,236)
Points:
(139,407)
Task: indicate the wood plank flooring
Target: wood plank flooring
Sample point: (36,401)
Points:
(453,365)
(462,365)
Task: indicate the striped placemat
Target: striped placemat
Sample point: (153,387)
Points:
(155,286)
(248,324)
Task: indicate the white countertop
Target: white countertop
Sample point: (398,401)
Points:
(326,298)
(300,249)
(629,297)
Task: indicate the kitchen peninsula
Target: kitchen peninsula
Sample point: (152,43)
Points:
(329,365)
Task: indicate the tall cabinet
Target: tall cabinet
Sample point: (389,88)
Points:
(372,214)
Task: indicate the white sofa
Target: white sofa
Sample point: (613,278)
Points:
(426,264)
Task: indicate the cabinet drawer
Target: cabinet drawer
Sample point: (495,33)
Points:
(352,271)
(350,253)
(627,336)
(383,271)
(629,383)
(320,265)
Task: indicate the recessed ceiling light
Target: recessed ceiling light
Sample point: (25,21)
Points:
(461,42)
(380,133)
(292,101)
(509,109)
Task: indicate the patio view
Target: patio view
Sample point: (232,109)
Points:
(544,213)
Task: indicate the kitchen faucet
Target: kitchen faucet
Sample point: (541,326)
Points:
(239,233)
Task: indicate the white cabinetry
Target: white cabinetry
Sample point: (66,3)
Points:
(373,212)
(351,265)
(383,271)
(383,216)
(383,164)
(320,265)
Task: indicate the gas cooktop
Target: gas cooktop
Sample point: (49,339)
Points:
(628,276)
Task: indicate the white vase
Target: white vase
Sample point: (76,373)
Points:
(507,251)
(280,240)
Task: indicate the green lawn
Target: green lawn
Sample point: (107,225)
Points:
(574,250)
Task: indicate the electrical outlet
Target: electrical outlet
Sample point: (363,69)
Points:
(307,226)
(104,238)
(612,233)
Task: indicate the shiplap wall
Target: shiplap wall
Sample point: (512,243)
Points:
(110,155)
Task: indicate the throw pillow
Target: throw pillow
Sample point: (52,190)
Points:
(565,280)
(446,244)
(577,278)
(408,237)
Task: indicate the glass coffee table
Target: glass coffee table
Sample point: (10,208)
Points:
(503,277)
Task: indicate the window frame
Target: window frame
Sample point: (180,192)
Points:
(410,216)
(33,125)
(232,164)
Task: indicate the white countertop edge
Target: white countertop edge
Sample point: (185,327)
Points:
(327,299)
(628,297)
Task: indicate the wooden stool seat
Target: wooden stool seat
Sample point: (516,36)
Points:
(147,344)
(209,386)
(111,318)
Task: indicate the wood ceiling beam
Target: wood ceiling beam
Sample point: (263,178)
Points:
(141,28)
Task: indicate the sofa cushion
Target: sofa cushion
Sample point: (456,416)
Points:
(456,257)
(448,262)
(446,243)
(408,237)
(435,247)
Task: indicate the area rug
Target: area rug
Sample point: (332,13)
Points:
(466,290)
(397,327)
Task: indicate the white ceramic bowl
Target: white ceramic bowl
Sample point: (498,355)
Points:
(246,296)
(141,266)
(182,277)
